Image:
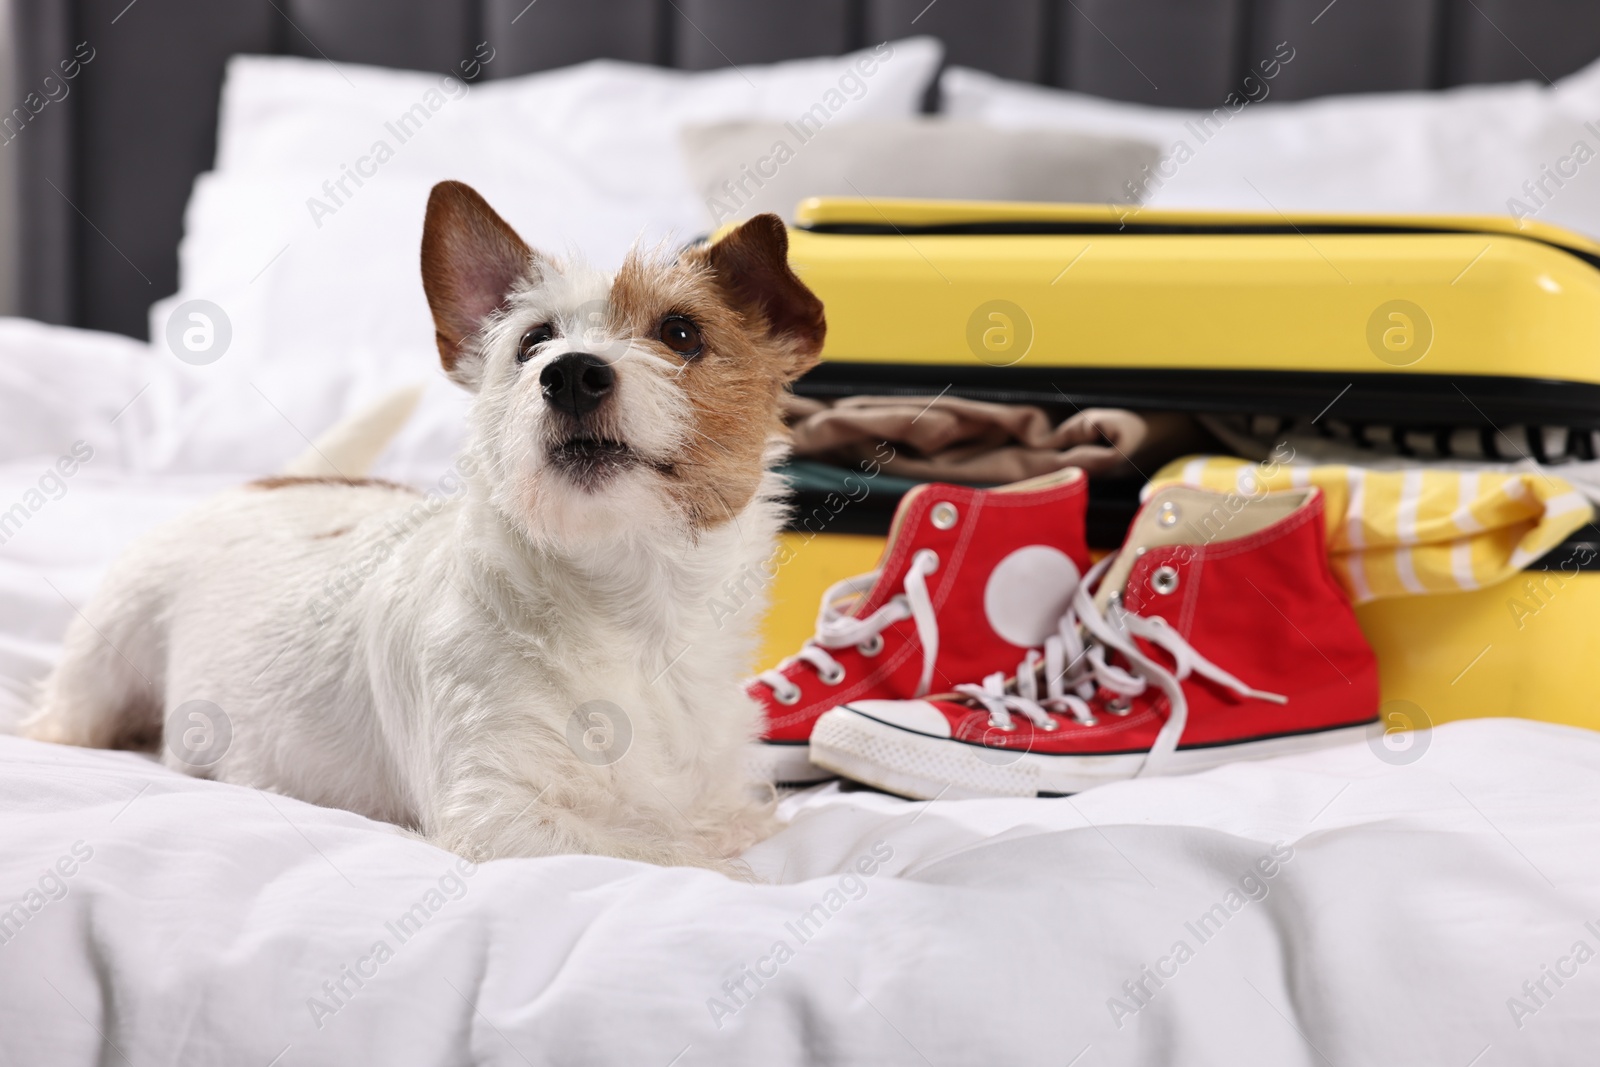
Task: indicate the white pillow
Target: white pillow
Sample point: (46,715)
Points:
(741,169)
(332,320)
(60,385)
(321,285)
(1463,150)
(587,155)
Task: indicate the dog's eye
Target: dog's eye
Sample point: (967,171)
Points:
(681,335)
(533,339)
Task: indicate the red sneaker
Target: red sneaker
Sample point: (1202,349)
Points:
(969,578)
(1143,674)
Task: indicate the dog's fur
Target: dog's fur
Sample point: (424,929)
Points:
(450,691)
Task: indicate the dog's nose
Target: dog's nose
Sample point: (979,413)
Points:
(577,382)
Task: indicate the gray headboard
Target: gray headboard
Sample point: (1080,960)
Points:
(104,172)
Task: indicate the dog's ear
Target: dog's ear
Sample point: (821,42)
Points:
(751,266)
(471,260)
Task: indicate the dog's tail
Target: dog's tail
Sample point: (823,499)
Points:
(349,449)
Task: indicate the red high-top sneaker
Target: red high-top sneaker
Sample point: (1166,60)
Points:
(1143,674)
(969,578)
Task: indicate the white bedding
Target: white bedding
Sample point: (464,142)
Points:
(1412,923)
(1409,903)
(1473,149)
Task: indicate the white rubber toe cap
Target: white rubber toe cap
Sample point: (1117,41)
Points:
(918,716)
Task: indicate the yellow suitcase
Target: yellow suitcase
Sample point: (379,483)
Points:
(1431,323)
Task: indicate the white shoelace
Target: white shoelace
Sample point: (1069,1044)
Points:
(838,630)
(1076,668)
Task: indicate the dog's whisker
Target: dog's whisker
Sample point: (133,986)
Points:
(716,494)
(725,449)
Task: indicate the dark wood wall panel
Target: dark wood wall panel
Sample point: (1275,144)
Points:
(1007,37)
(557,33)
(47,227)
(414,34)
(1152,51)
(1350,46)
(714,33)
(1513,40)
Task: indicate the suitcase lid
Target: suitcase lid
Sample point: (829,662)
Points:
(891,215)
(1428,321)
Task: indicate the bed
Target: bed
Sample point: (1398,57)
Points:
(1426,899)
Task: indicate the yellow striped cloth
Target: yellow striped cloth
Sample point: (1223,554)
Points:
(1411,530)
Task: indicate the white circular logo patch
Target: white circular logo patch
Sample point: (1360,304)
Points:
(1028,592)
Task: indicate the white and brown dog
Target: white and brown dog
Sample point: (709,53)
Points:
(531,668)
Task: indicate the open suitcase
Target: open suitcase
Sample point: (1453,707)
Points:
(1415,327)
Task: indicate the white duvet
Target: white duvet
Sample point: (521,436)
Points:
(1440,905)
(1330,909)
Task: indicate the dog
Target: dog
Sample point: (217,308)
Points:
(529,668)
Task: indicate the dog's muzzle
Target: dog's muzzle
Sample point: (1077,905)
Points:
(577,382)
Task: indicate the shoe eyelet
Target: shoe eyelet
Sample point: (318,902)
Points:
(1011,729)
(833,677)
(944,515)
(1164,580)
(1119,706)
(1167,516)
(929,558)
(1050,726)
(871,646)
(1090,721)
(787,697)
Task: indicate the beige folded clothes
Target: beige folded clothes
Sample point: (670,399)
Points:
(948,438)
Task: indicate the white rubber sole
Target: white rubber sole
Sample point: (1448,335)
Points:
(784,764)
(921,767)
